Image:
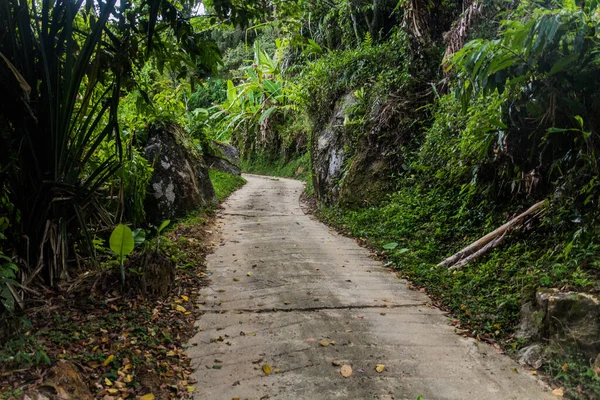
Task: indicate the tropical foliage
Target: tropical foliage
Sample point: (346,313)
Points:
(472,109)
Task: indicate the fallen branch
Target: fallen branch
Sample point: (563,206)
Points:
(479,253)
(480,247)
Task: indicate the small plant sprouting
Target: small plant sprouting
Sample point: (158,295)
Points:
(159,230)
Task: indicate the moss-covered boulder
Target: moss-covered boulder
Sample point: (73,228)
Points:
(180,182)
(563,322)
(224,157)
(329,153)
(352,168)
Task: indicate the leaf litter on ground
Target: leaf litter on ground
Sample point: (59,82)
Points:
(124,345)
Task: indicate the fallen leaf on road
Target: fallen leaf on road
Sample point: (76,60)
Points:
(336,363)
(308,340)
(379,368)
(382,313)
(250,273)
(266,369)
(387,300)
(108,360)
(348,330)
(346,371)
(324,343)
(235,279)
(286,302)
(560,392)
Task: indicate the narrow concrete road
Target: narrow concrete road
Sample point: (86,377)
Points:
(282,282)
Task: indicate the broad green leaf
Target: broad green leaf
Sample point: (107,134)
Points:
(122,241)
(163,225)
(139,236)
(390,246)
(562,64)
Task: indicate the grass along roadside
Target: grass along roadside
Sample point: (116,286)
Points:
(225,184)
(416,229)
(119,345)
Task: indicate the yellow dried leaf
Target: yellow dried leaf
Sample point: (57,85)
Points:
(171,353)
(324,343)
(113,391)
(148,396)
(565,367)
(379,368)
(266,369)
(346,371)
(286,302)
(108,360)
(387,300)
(336,363)
(180,308)
(560,392)
(190,389)
(107,382)
(250,273)
(185,298)
(95,348)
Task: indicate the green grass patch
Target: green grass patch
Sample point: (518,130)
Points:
(225,183)
(417,228)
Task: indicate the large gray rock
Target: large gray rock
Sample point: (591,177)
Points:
(350,167)
(531,355)
(328,155)
(563,322)
(180,182)
(225,158)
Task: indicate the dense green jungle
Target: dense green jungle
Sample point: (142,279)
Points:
(419,127)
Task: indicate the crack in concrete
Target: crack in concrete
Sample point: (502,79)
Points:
(308,309)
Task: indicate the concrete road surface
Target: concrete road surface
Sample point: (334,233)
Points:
(288,292)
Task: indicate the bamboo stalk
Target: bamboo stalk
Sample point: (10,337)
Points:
(482,242)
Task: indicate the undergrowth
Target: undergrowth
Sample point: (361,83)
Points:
(486,296)
(137,340)
(225,184)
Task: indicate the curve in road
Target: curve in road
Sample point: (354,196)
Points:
(289,292)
